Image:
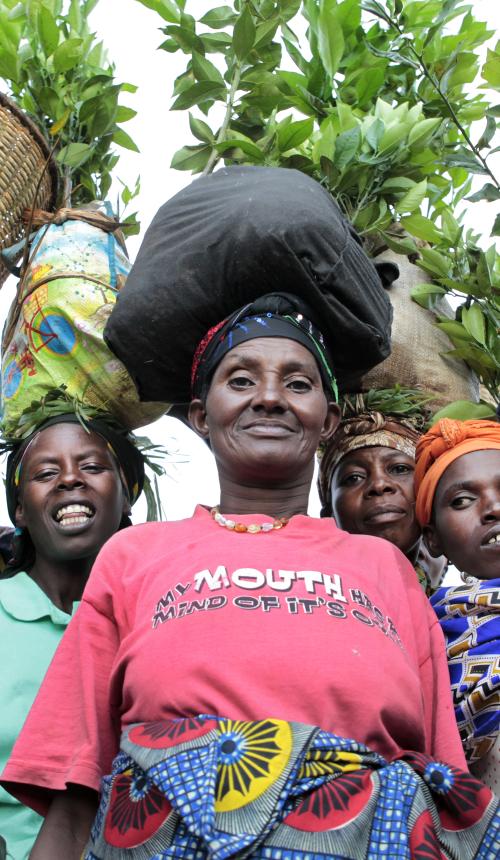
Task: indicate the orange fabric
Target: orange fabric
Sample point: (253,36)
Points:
(436,449)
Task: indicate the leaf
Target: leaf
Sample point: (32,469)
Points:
(454,330)
(123,114)
(488,192)
(68,55)
(293,134)
(204,70)
(49,101)
(434,262)
(422,228)
(48,31)
(330,36)
(491,69)
(123,139)
(413,198)
(473,320)
(165,8)
(198,93)
(397,184)
(191,158)
(74,154)
(426,295)
(243,34)
(423,130)
(463,158)
(400,246)
(221,16)
(56,128)
(200,129)
(464,410)
(488,133)
(241,142)
(495,231)
(346,147)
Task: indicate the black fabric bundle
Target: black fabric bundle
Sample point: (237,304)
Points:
(228,239)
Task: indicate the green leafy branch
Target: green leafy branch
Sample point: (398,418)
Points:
(58,72)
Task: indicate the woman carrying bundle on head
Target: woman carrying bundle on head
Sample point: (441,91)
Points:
(366,474)
(70,486)
(251,681)
(458,505)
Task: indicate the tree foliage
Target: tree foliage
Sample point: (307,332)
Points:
(58,72)
(374,100)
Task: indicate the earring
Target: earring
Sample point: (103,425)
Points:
(18,531)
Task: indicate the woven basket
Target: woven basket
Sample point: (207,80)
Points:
(28,174)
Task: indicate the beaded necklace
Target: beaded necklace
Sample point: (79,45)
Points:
(252,529)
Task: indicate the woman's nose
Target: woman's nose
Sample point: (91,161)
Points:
(491,506)
(380,482)
(269,394)
(70,476)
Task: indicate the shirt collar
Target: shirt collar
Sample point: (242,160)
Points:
(24,600)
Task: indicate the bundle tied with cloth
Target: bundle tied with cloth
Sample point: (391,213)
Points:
(75,263)
(219,246)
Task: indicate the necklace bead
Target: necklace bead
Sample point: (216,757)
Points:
(252,529)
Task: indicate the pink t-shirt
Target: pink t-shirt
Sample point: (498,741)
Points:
(307,623)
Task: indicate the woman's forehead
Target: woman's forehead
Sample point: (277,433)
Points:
(481,465)
(64,438)
(270,351)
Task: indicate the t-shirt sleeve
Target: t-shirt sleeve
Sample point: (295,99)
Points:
(443,739)
(71,734)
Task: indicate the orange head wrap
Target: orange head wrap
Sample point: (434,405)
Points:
(444,442)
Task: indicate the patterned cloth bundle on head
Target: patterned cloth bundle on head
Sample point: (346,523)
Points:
(209,787)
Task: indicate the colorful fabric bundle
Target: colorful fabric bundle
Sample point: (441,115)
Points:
(54,334)
(211,787)
(437,449)
(470,620)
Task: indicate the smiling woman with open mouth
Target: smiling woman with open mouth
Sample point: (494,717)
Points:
(69,488)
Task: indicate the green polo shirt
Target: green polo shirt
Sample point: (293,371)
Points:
(30,631)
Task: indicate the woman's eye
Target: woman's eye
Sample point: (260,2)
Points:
(351,480)
(240,382)
(402,469)
(45,474)
(93,467)
(461,501)
(299,385)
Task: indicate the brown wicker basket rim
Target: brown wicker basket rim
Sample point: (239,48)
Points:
(35,132)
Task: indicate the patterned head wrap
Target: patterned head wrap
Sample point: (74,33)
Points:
(366,430)
(127,456)
(437,449)
(273,315)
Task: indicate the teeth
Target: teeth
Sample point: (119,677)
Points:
(73,521)
(494,539)
(72,510)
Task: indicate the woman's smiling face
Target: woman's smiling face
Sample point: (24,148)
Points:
(266,412)
(71,497)
(466,514)
(373,494)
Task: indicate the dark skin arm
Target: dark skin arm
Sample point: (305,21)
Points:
(66,828)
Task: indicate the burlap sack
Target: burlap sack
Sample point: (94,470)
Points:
(416,359)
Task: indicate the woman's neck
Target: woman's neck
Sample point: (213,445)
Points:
(283,502)
(62,582)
